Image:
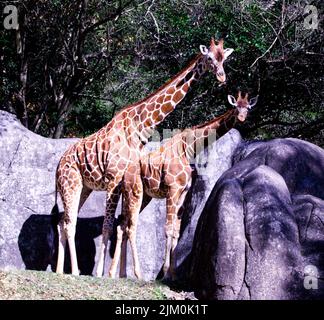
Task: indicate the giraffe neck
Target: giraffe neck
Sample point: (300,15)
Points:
(153,110)
(197,137)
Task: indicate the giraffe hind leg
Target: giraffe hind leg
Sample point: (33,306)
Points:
(67,227)
(61,249)
(123,258)
(123,255)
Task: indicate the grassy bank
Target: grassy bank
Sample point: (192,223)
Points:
(31,285)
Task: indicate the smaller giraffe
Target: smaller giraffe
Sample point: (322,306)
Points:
(166,173)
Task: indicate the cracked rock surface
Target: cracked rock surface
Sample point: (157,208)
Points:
(261,234)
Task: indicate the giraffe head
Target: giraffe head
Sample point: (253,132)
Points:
(215,57)
(242,104)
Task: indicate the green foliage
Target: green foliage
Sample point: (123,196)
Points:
(150,41)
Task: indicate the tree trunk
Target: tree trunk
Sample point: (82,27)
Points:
(59,129)
(21,46)
(64,108)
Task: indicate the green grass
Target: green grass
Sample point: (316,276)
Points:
(36,285)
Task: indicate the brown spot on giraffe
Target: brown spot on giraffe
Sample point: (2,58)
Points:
(167,98)
(167,107)
(170,91)
(177,96)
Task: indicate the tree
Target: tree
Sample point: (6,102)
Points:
(140,44)
(62,47)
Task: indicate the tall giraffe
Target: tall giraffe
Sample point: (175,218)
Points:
(166,173)
(99,162)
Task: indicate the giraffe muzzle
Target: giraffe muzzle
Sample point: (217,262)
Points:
(221,77)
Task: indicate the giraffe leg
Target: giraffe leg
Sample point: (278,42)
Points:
(67,226)
(134,196)
(61,249)
(168,243)
(123,255)
(112,197)
(175,238)
(175,201)
(123,258)
(176,228)
(115,260)
(131,234)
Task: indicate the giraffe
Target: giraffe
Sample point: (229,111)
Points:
(166,173)
(99,161)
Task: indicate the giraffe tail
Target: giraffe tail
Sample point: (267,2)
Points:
(55,213)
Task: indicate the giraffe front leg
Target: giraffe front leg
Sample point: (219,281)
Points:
(131,233)
(112,198)
(175,201)
(103,249)
(168,243)
(115,260)
(133,200)
(175,238)
(179,199)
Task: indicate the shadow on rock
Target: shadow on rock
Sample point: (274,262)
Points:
(38,242)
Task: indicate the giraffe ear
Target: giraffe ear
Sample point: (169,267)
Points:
(228,52)
(203,50)
(253,101)
(231,100)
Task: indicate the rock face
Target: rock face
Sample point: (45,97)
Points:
(253,225)
(27,236)
(261,233)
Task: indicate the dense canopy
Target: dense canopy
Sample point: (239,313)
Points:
(71,65)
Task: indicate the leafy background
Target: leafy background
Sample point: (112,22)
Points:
(72,65)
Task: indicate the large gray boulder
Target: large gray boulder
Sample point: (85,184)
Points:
(27,174)
(261,233)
